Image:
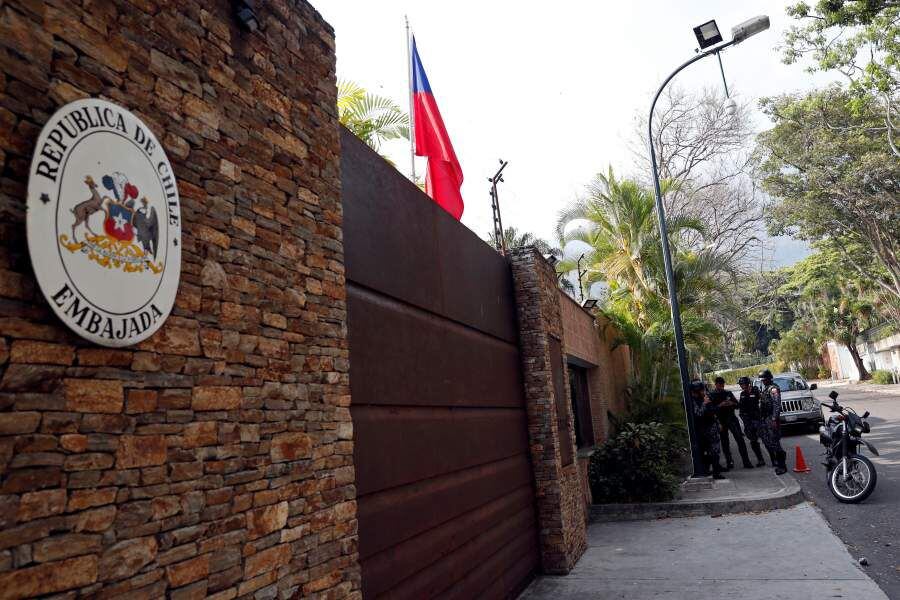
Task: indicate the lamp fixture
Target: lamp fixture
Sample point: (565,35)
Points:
(707,34)
(245,15)
(589,303)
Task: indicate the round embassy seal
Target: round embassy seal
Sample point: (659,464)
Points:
(104,223)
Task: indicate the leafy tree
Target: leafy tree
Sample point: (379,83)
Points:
(372,118)
(861,40)
(829,304)
(832,179)
(799,345)
(625,239)
(627,255)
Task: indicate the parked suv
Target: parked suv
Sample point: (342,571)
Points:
(798,407)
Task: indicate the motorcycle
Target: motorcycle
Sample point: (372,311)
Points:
(851,476)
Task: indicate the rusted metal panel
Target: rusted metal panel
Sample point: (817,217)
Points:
(415,443)
(391,340)
(410,562)
(443,472)
(397,514)
(399,242)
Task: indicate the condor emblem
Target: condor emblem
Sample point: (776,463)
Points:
(104,223)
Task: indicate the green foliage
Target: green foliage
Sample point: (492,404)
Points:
(823,373)
(372,118)
(833,180)
(830,303)
(798,345)
(731,377)
(883,377)
(860,39)
(627,255)
(638,464)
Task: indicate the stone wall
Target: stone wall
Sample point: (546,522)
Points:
(216,457)
(560,500)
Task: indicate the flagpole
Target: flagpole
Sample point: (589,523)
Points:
(412,123)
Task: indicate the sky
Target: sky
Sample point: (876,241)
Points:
(553,88)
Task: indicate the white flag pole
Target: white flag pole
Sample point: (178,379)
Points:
(412,124)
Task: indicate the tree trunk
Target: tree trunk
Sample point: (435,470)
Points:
(857,359)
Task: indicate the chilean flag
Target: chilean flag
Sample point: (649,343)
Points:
(444,175)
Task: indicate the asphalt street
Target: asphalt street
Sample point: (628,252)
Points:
(870,529)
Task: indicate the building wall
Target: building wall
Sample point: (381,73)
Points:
(592,341)
(214,458)
(560,498)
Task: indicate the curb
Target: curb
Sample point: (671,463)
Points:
(791,495)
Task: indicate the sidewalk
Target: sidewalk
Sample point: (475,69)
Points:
(743,490)
(783,554)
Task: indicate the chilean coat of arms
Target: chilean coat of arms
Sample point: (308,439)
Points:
(104,223)
(130,235)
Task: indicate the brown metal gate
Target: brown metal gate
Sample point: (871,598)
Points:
(446,502)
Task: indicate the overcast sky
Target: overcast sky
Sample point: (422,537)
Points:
(554,88)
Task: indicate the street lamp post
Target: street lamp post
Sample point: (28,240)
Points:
(707,35)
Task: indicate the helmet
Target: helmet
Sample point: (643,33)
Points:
(697,385)
(767,374)
(744,381)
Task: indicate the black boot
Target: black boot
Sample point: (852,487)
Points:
(781,467)
(756,450)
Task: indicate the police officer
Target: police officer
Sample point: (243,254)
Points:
(707,427)
(769,412)
(726,403)
(748,408)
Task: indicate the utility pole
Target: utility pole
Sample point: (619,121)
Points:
(499,238)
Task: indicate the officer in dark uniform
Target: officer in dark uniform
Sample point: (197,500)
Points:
(748,408)
(707,428)
(726,404)
(769,412)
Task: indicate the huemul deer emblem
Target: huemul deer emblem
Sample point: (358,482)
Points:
(84,210)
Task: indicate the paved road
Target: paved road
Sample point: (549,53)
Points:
(703,558)
(870,529)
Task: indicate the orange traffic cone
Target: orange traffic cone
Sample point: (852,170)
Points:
(800,465)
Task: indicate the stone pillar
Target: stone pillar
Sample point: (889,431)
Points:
(561,509)
(216,457)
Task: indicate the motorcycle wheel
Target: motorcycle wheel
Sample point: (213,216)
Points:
(860,484)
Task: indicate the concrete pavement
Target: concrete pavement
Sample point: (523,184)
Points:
(783,554)
(870,529)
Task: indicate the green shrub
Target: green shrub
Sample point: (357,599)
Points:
(809,372)
(640,463)
(733,375)
(882,376)
(824,373)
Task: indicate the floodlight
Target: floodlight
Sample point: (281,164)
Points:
(708,34)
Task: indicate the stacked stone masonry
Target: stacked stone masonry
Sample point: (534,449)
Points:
(215,458)
(558,487)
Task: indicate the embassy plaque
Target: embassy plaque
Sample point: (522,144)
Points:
(104,223)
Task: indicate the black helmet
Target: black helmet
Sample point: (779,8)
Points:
(697,385)
(767,374)
(744,380)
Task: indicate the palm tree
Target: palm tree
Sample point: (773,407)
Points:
(625,239)
(372,118)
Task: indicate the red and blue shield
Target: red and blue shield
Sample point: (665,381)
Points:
(118,222)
